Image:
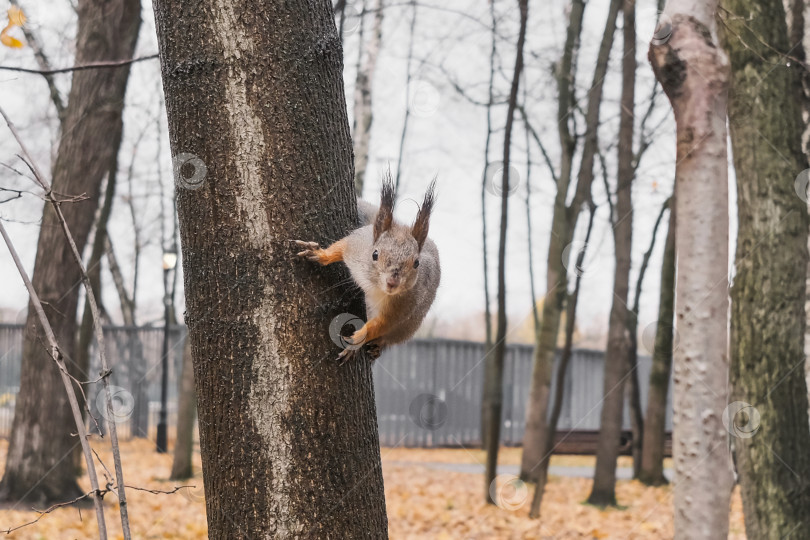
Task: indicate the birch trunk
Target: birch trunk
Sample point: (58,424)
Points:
(694,73)
(362,99)
(289,441)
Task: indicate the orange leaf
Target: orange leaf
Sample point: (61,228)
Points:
(16,17)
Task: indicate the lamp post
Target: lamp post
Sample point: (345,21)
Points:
(169,262)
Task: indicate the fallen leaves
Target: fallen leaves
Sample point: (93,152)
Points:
(423,503)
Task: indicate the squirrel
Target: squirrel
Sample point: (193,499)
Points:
(396,266)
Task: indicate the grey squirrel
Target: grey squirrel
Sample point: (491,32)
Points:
(396,266)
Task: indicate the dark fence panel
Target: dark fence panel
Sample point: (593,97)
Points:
(428,391)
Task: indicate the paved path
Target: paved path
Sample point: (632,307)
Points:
(622,473)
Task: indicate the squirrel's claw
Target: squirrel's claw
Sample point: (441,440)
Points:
(346,355)
(311,252)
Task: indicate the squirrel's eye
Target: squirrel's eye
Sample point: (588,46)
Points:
(375,255)
(416,263)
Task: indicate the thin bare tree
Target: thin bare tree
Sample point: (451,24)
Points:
(493,390)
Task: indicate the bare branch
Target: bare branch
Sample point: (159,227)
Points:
(82,67)
(91,300)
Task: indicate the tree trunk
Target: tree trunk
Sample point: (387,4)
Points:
(485,179)
(693,72)
(563,224)
(616,365)
(182,468)
(562,373)
(634,391)
(362,99)
(257,112)
(135,360)
(493,391)
(652,455)
(94,271)
(36,470)
(770,427)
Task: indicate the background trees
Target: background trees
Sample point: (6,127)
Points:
(93,119)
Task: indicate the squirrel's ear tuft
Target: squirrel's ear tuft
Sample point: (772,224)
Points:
(385,215)
(422,223)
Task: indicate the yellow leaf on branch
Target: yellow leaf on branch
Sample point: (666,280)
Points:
(16,18)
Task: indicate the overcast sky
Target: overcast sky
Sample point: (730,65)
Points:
(446,138)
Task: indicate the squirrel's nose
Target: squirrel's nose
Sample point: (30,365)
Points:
(392,281)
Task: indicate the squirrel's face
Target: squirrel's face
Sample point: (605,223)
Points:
(395,261)
(395,251)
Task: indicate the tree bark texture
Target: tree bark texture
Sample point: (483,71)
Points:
(616,365)
(771,438)
(288,437)
(38,468)
(693,72)
(652,453)
(182,468)
(493,390)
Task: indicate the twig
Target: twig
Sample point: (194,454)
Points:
(81,67)
(43,513)
(45,65)
(74,403)
(91,300)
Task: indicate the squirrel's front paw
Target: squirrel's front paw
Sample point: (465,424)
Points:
(358,338)
(311,252)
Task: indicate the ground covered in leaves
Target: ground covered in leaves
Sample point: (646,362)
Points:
(424,502)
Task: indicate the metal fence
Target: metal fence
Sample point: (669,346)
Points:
(428,392)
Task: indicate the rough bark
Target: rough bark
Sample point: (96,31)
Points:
(362,99)
(288,437)
(563,224)
(693,71)
(493,389)
(616,366)
(652,455)
(186,413)
(40,439)
(768,295)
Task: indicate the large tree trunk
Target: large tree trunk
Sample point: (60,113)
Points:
(36,470)
(186,412)
(770,426)
(363,113)
(693,72)
(652,454)
(288,437)
(493,389)
(616,365)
